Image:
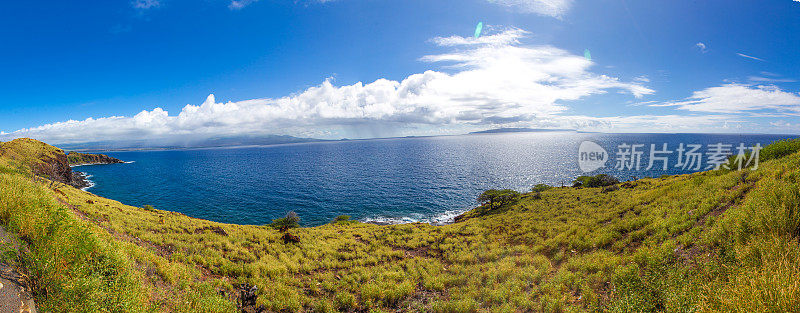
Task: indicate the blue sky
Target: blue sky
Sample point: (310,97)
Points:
(108,70)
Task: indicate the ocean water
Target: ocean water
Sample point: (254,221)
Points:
(427,179)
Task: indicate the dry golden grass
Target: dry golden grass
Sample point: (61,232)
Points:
(712,241)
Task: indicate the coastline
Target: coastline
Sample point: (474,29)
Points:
(81,180)
(441,219)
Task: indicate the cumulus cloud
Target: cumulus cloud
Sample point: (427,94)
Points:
(487,81)
(740,98)
(554,8)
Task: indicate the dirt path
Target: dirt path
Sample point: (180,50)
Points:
(14,295)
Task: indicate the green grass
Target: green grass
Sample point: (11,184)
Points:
(25,155)
(711,241)
(69,268)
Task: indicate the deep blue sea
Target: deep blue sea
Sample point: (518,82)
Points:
(427,179)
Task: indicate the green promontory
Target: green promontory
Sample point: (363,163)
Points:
(76,158)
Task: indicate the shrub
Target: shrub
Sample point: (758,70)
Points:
(342,218)
(610,188)
(290,221)
(149,208)
(780,149)
(599,180)
(540,187)
(775,150)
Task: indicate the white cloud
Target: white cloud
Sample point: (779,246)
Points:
(739,98)
(749,57)
(145,4)
(509,36)
(239,4)
(554,8)
(701,46)
(663,123)
(783,124)
(493,80)
(760,79)
(649,123)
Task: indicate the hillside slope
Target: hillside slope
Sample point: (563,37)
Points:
(711,241)
(38,158)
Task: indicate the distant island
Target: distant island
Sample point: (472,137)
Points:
(521,130)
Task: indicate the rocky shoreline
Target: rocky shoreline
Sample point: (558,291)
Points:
(80,180)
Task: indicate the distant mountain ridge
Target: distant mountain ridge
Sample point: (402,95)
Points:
(163,144)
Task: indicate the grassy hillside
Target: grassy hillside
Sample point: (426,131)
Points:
(711,241)
(35,157)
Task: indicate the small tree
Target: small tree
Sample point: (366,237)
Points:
(599,180)
(602,180)
(290,221)
(581,181)
(342,219)
(540,187)
(488,197)
(499,197)
(508,196)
